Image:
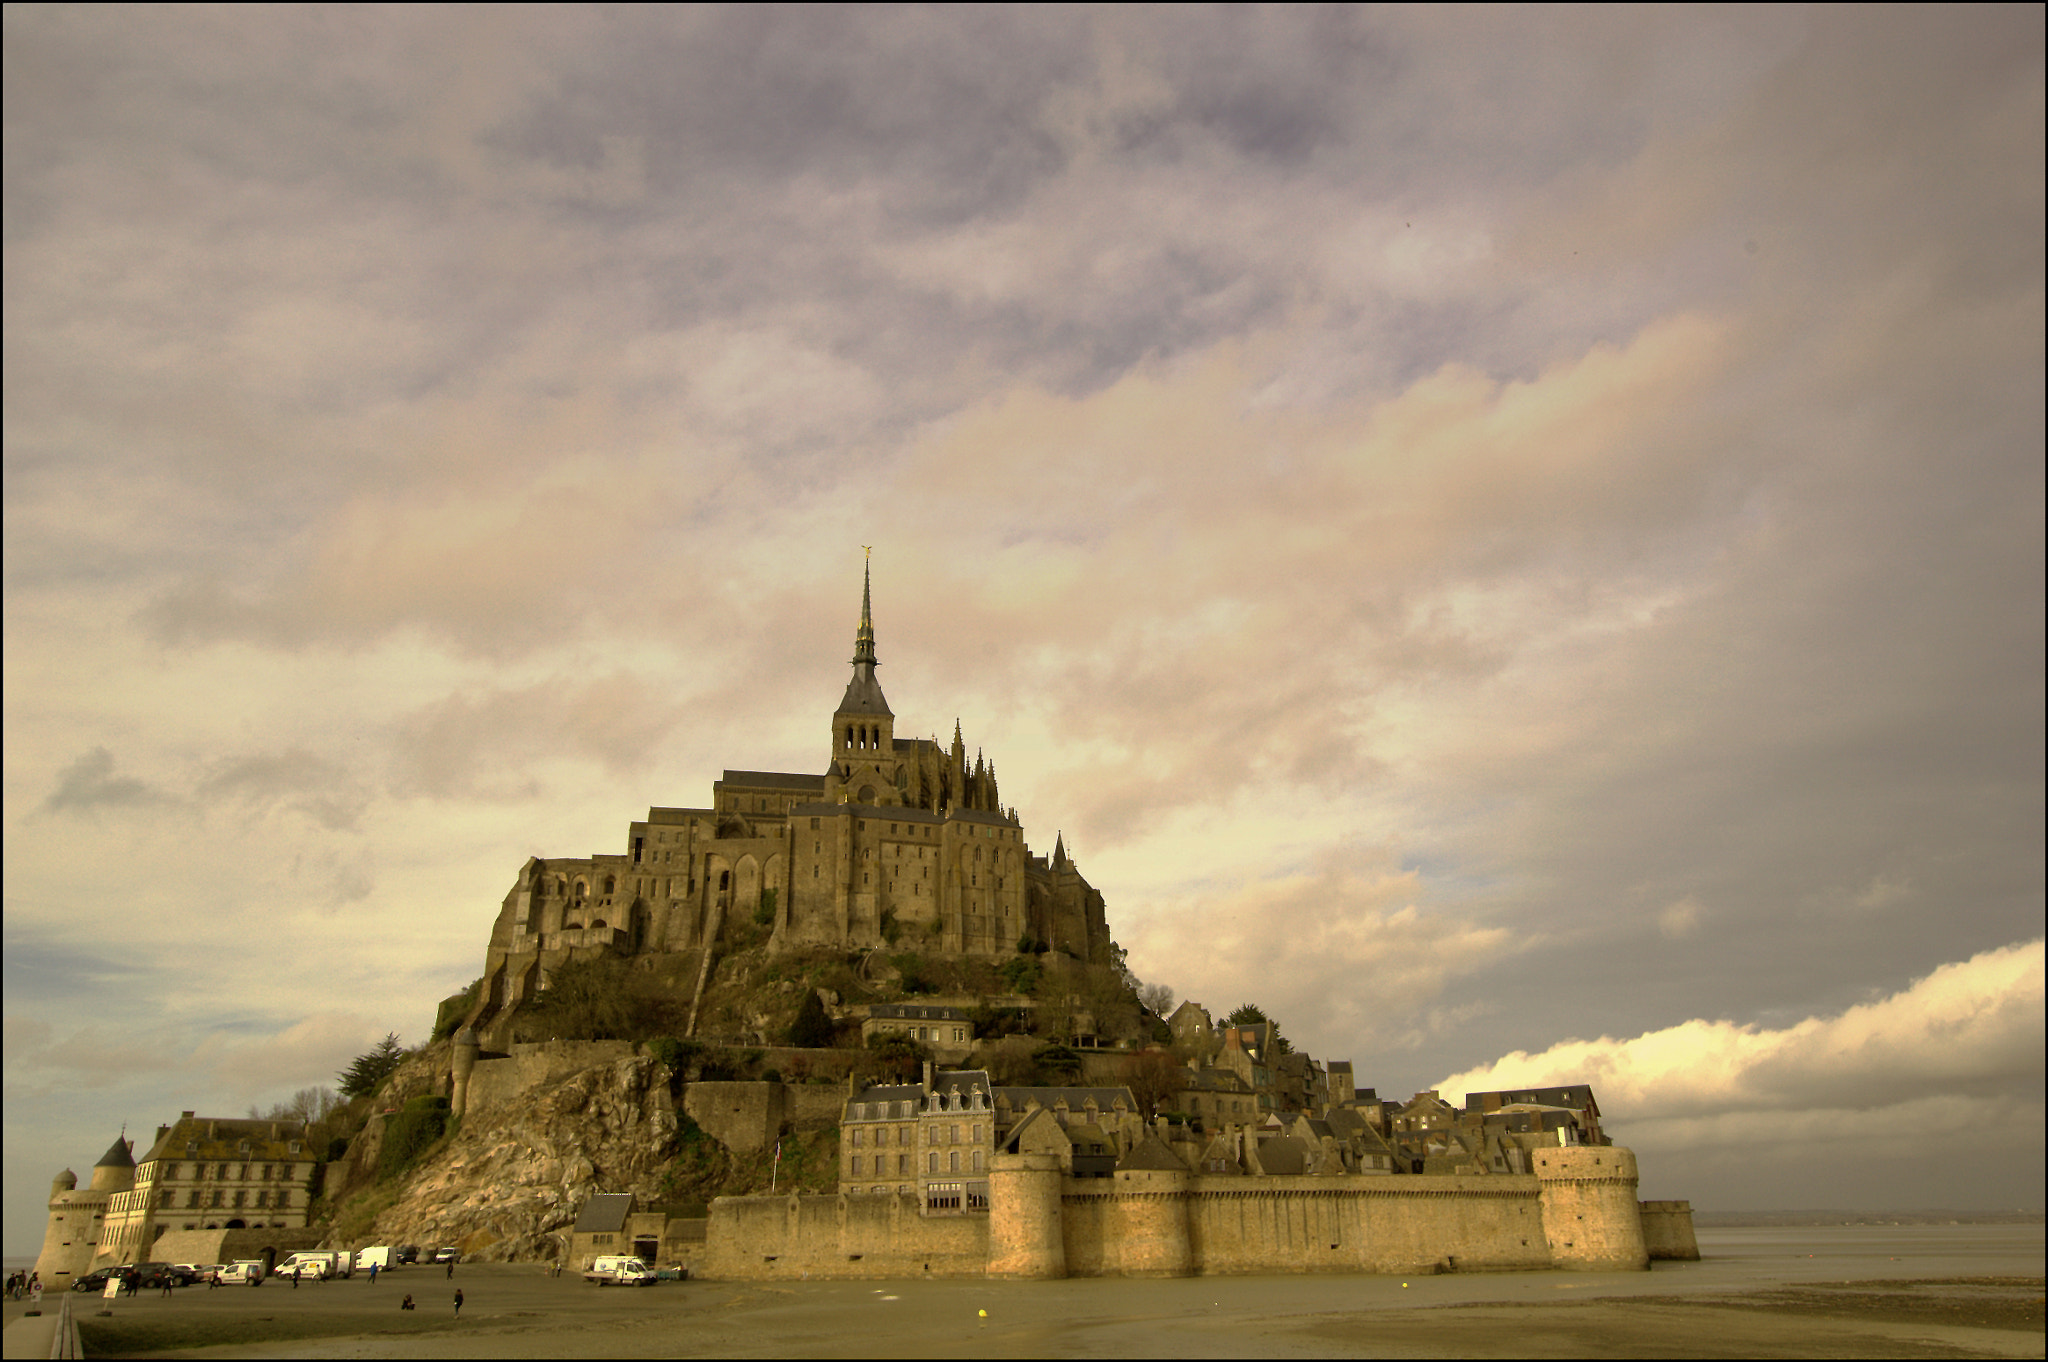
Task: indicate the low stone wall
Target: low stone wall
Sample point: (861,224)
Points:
(1667,1231)
(770,1238)
(815,1105)
(498,1082)
(744,1117)
(227,1246)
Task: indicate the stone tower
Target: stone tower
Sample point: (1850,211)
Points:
(865,768)
(78,1218)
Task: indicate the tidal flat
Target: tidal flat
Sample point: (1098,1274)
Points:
(1852,1291)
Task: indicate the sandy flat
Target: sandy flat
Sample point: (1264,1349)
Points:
(1677,1311)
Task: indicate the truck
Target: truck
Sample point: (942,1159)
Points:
(378,1257)
(618,1269)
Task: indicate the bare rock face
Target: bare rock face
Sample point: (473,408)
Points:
(508,1185)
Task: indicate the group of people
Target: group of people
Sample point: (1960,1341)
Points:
(20,1284)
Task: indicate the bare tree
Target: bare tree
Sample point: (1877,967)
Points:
(1157,998)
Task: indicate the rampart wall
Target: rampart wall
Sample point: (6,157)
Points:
(1042,1224)
(1420,1223)
(1667,1231)
(770,1238)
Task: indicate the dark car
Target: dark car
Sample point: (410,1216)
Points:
(151,1276)
(408,1253)
(97,1281)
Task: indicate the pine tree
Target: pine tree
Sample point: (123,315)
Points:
(362,1077)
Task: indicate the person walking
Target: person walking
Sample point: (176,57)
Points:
(458,1302)
(373,1274)
(451,1269)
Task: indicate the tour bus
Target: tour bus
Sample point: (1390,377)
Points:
(620,1269)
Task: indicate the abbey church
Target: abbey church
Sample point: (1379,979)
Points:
(896,833)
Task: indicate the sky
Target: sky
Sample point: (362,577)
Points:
(1510,538)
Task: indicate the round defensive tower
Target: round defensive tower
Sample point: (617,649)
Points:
(1590,1215)
(1025,1235)
(1150,1221)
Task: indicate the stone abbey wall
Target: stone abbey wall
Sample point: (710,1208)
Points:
(1578,1211)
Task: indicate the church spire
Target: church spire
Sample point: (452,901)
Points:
(863,694)
(864,637)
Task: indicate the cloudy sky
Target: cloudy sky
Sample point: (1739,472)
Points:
(1512,539)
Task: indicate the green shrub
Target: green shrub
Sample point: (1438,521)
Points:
(916,974)
(409,1133)
(764,912)
(813,1028)
(675,1053)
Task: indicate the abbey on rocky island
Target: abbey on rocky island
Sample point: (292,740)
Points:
(899,837)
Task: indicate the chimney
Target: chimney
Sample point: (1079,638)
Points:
(927,1077)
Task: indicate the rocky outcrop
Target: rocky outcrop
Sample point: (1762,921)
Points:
(508,1184)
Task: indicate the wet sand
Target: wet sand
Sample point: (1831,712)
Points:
(1844,1296)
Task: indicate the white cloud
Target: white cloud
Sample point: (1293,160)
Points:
(1972,1029)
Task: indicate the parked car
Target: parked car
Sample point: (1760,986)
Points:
(447,1255)
(151,1276)
(97,1281)
(408,1253)
(247,1272)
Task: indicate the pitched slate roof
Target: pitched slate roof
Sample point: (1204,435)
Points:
(917,1012)
(774,780)
(604,1213)
(1150,1154)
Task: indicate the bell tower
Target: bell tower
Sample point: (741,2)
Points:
(865,767)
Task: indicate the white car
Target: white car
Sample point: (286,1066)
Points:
(248,1272)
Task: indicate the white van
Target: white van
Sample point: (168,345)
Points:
(320,1263)
(247,1272)
(378,1257)
(609,1269)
